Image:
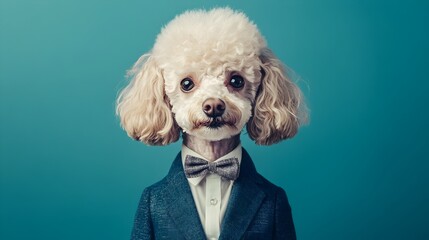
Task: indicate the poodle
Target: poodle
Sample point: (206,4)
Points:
(208,76)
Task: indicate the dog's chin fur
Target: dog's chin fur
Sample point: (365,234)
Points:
(214,130)
(214,134)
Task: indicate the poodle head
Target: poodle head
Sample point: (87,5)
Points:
(209,74)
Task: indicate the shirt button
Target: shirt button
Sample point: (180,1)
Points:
(213,201)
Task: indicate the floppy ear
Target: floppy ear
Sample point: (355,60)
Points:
(143,107)
(277,106)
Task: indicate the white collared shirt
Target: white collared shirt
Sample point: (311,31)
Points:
(211,194)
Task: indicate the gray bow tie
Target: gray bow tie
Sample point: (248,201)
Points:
(227,168)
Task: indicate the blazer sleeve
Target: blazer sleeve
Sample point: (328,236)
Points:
(284,227)
(143,228)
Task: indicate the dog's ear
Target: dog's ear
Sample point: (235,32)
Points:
(278,108)
(143,106)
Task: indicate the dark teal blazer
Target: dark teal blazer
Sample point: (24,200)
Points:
(257,209)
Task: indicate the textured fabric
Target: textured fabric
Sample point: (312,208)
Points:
(236,153)
(209,186)
(195,167)
(257,209)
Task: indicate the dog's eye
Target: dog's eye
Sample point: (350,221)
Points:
(187,84)
(236,81)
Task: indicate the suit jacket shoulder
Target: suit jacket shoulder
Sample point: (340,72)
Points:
(167,210)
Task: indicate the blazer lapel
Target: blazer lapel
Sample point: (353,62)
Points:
(245,200)
(181,204)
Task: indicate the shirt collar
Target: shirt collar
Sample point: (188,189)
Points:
(236,153)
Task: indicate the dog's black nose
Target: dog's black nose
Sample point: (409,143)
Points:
(213,107)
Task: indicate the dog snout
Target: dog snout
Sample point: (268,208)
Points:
(213,107)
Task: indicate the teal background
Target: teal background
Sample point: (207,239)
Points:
(359,170)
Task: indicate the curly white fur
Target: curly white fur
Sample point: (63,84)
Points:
(209,47)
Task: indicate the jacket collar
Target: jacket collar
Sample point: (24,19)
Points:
(245,200)
(181,204)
